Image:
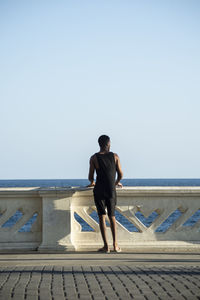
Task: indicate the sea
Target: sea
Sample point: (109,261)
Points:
(66,183)
(84,182)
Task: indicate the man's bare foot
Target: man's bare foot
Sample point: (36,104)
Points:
(104,250)
(116,248)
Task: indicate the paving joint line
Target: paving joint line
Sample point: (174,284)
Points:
(51,285)
(99,283)
(130,294)
(27,284)
(75,283)
(111,284)
(87,283)
(131,279)
(63,281)
(7,278)
(40,282)
(18,279)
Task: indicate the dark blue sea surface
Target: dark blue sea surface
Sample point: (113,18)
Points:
(44,183)
(84,182)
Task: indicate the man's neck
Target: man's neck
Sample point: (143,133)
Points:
(103,151)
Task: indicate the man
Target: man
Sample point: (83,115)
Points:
(106,164)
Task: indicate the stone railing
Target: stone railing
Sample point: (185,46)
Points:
(56,219)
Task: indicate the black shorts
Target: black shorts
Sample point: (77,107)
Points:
(102,204)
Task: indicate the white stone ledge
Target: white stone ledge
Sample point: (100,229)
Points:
(125,190)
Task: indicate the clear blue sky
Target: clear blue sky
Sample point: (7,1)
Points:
(73,70)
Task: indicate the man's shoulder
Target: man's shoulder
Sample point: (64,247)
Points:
(116,157)
(93,156)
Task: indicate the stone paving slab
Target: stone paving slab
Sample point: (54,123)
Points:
(127,276)
(106,282)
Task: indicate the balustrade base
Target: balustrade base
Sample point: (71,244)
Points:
(18,246)
(149,247)
(57,248)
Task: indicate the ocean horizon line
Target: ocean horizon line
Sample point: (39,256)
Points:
(128,178)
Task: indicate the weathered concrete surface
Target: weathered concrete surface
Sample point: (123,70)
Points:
(99,276)
(97,259)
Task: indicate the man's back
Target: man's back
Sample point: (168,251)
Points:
(94,165)
(106,173)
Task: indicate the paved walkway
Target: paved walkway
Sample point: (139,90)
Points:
(99,276)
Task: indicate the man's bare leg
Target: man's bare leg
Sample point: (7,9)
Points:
(102,225)
(114,232)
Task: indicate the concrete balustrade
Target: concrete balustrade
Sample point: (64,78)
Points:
(55,227)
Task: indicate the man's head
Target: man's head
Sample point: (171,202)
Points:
(104,142)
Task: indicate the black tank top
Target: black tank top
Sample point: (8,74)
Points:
(106,173)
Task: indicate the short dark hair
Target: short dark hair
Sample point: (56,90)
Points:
(103,141)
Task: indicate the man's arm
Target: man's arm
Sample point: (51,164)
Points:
(119,171)
(91,172)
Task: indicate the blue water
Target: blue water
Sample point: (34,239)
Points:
(43,183)
(84,182)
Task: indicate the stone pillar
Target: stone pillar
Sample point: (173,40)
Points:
(56,220)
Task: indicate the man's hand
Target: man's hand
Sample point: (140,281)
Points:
(91,184)
(118,184)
